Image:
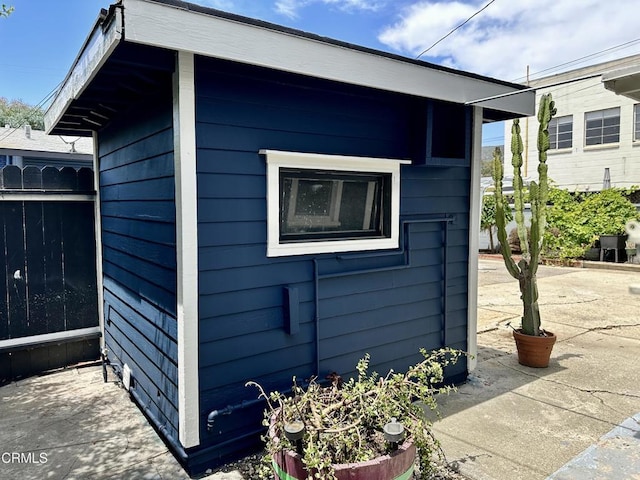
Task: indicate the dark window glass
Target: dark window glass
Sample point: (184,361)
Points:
(602,127)
(636,122)
(561,132)
(325,205)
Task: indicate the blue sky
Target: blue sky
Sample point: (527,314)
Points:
(40,40)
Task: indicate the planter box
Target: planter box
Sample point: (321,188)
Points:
(610,242)
(592,254)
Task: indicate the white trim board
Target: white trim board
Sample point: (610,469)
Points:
(474,227)
(184,119)
(153,23)
(278,159)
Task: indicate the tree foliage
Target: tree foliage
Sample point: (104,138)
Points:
(16,113)
(488,217)
(576,220)
(5,11)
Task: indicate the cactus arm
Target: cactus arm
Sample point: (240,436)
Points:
(518,188)
(546,112)
(501,226)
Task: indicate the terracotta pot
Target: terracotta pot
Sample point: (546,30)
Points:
(395,466)
(534,351)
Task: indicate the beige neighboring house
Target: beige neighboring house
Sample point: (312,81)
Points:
(28,147)
(595,135)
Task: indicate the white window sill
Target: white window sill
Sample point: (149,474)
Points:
(606,146)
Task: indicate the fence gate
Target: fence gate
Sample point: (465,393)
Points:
(48,292)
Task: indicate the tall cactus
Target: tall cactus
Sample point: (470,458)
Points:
(525,270)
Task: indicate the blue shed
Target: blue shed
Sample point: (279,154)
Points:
(272,203)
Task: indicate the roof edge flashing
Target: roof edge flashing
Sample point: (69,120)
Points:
(106,34)
(217,34)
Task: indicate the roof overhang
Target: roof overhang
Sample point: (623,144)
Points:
(624,81)
(174,25)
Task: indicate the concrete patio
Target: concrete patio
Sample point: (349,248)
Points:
(573,420)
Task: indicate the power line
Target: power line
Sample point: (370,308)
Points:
(459,26)
(34,109)
(577,60)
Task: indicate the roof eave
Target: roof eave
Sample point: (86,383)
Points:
(624,81)
(103,39)
(211,33)
(244,40)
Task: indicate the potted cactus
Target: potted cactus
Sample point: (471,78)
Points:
(534,343)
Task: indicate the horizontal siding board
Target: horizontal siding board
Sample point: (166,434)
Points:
(135,305)
(231,256)
(149,356)
(396,356)
(249,323)
(151,273)
(148,190)
(155,339)
(341,325)
(435,205)
(374,282)
(255,277)
(238,233)
(230,210)
(428,188)
(240,301)
(160,233)
(158,211)
(246,139)
(155,295)
(252,346)
(368,301)
(216,186)
(161,255)
(160,406)
(292,118)
(275,362)
(153,120)
(230,162)
(151,157)
(382,335)
(434,175)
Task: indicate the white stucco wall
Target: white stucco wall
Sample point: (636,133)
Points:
(582,167)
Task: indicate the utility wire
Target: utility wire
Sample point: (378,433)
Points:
(577,60)
(34,109)
(459,26)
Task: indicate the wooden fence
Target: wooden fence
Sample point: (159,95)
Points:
(48,291)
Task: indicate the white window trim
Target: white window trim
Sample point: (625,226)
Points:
(278,159)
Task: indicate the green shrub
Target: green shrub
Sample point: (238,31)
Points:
(576,220)
(488,217)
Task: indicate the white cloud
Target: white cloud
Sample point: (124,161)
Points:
(509,35)
(290,8)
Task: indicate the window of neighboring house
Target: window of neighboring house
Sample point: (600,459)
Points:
(331,203)
(561,132)
(602,127)
(636,122)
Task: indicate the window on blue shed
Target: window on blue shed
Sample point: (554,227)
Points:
(331,203)
(319,205)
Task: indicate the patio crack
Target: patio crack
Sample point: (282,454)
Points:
(599,329)
(590,391)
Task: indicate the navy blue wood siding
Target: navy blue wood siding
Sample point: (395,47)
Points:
(391,309)
(137,191)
